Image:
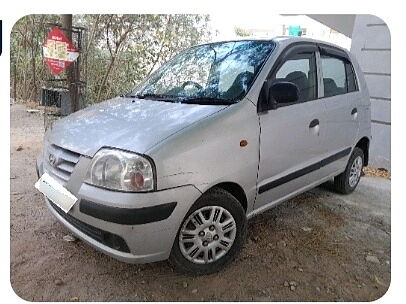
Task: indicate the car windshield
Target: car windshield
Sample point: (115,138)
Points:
(217,73)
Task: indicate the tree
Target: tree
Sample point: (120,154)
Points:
(242,32)
(119,51)
(28,70)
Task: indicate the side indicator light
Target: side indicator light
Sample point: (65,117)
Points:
(243,143)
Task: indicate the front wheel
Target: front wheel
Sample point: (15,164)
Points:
(211,235)
(347,181)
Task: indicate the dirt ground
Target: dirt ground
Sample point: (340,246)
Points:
(319,246)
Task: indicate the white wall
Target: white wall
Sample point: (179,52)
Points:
(371,46)
(341,23)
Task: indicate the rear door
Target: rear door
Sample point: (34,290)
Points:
(341,97)
(292,136)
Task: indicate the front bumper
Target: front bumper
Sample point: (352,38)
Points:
(131,227)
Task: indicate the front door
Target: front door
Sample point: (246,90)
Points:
(292,136)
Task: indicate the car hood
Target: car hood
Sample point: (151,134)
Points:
(125,123)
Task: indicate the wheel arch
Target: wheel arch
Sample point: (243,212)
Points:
(363,144)
(235,190)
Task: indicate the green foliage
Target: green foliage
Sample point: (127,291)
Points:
(242,32)
(118,52)
(27,68)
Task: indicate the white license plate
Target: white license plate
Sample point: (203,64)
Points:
(55,192)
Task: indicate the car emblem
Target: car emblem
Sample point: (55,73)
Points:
(52,159)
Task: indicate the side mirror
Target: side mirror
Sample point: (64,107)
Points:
(283,92)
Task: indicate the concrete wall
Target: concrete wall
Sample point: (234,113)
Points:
(341,23)
(371,44)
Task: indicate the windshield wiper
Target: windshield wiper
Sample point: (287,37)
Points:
(205,101)
(189,100)
(152,96)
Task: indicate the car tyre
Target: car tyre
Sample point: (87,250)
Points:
(347,181)
(207,204)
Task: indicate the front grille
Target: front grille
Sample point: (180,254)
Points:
(63,162)
(106,238)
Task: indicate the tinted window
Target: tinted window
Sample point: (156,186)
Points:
(351,78)
(334,76)
(301,70)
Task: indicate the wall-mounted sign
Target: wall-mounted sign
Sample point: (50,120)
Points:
(59,52)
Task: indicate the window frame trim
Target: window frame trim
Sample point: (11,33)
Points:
(335,52)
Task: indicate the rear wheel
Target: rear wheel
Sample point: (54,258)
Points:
(347,181)
(211,235)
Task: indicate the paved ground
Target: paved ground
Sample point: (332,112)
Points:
(319,246)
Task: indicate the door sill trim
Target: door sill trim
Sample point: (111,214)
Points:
(304,171)
(291,195)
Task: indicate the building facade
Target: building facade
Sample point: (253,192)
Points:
(371,44)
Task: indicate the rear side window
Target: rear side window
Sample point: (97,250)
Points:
(334,76)
(351,78)
(338,76)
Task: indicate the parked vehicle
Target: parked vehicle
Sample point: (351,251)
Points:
(220,133)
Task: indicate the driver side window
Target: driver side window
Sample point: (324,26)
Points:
(300,69)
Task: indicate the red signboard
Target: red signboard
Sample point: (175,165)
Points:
(59,52)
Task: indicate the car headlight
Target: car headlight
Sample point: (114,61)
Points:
(120,170)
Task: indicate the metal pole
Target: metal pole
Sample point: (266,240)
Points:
(72,72)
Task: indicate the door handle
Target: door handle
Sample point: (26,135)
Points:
(354,111)
(314,123)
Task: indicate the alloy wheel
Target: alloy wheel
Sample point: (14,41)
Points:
(207,234)
(355,171)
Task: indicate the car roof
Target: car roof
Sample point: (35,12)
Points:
(290,39)
(284,41)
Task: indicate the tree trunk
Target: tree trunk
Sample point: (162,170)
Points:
(106,75)
(72,72)
(162,44)
(33,63)
(113,54)
(15,82)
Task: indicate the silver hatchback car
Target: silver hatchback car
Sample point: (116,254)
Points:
(221,132)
